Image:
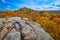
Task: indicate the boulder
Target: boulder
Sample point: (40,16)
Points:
(16,28)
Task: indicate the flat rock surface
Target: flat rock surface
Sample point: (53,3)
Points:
(16,28)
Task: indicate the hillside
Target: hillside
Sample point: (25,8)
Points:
(50,21)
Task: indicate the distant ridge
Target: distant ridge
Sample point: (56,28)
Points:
(29,9)
(51,11)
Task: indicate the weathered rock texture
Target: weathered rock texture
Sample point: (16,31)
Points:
(16,28)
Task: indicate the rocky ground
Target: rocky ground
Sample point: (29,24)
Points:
(16,28)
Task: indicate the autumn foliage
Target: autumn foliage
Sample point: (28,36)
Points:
(50,22)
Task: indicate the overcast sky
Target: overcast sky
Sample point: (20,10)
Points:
(33,4)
